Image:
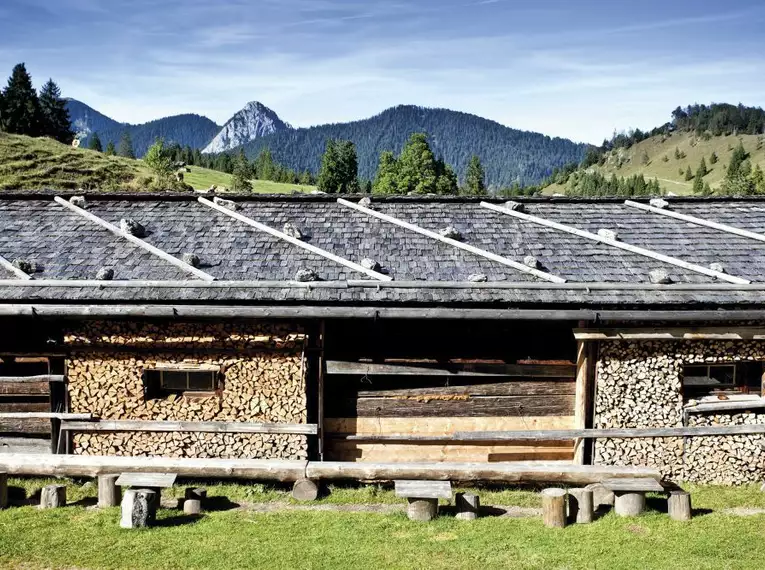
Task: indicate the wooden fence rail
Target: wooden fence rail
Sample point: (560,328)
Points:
(181,426)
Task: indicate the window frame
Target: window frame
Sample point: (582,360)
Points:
(155,388)
(741,380)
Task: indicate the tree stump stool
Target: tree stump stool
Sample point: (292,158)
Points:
(192,506)
(3,489)
(679,505)
(554,508)
(422,497)
(422,510)
(630,493)
(629,503)
(53,496)
(109,494)
(580,506)
(467,506)
(139,508)
(601,497)
(305,490)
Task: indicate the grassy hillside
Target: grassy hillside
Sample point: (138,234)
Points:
(37,163)
(627,162)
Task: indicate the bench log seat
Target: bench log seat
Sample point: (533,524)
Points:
(629,494)
(423,497)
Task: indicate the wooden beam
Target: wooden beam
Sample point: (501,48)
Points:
(294,241)
(24,445)
(13,269)
(24,388)
(454,243)
(698,221)
(515,472)
(173,426)
(43,416)
(182,265)
(620,433)
(580,404)
(672,333)
(618,244)
(33,379)
(454,369)
(723,406)
(93,465)
(25,425)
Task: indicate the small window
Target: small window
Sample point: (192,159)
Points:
(700,380)
(162,382)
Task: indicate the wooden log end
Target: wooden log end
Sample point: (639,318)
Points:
(679,505)
(53,497)
(422,510)
(554,507)
(305,490)
(468,506)
(629,503)
(192,506)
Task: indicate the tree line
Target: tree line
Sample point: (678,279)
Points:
(24,111)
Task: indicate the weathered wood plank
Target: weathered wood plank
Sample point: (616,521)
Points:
(423,489)
(453,369)
(31,426)
(551,387)
(44,416)
(621,433)
(22,407)
(443,426)
(25,445)
(148,480)
(672,333)
(24,388)
(453,406)
(38,378)
(727,405)
(639,484)
(173,426)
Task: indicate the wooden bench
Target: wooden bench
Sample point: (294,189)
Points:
(629,494)
(152,481)
(423,497)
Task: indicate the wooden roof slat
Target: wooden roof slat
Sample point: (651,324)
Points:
(618,244)
(454,243)
(698,221)
(136,241)
(294,241)
(13,269)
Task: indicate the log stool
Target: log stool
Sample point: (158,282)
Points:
(139,508)
(467,506)
(554,508)
(423,497)
(109,494)
(192,506)
(580,506)
(53,496)
(305,490)
(3,489)
(679,505)
(630,493)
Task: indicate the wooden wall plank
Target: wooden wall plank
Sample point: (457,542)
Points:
(7,407)
(444,426)
(24,388)
(452,406)
(451,369)
(15,425)
(24,445)
(376,388)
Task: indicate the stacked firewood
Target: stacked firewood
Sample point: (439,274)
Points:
(639,385)
(262,379)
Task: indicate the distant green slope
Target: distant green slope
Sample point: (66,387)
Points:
(631,161)
(38,163)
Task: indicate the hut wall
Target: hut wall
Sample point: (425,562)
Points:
(263,379)
(639,385)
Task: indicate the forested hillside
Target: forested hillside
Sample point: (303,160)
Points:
(508,155)
(191,130)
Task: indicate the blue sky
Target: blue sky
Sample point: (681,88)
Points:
(577,69)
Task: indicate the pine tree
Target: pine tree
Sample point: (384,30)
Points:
(339,168)
(126,146)
(678,156)
(264,166)
(475,179)
(688,173)
(349,167)
(713,158)
(737,158)
(240,178)
(95,143)
(707,191)
(417,166)
(110,150)
(158,159)
(758,180)
(446,183)
(645,159)
(21,107)
(698,183)
(329,174)
(386,180)
(55,115)
(703,171)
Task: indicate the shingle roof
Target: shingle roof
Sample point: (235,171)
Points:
(67,246)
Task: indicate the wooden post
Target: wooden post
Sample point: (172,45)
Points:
(139,508)
(53,496)
(3,490)
(580,506)
(629,503)
(467,506)
(580,405)
(192,506)
(554,508)
(422,510)
(305,490)
(109,494)
(679,505)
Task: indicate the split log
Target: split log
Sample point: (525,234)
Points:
(554,508)
(422,510)
(192,506)
(629,503)
(3,490)
(305,490)
(467,506)
(139,508)
(679,505)
(580,506)
(109,493)
(53,496)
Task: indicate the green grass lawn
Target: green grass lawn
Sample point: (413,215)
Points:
(203,178)
(79,537)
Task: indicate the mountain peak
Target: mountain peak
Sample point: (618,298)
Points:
(253,121)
